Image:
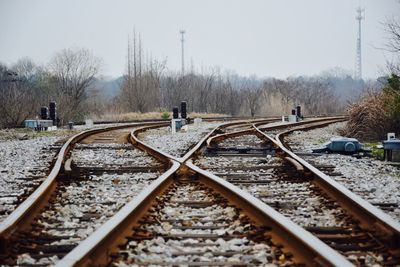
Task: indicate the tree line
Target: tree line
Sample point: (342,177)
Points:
(25,86)
(69,78)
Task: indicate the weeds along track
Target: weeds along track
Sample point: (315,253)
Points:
(103,172)
(260,167)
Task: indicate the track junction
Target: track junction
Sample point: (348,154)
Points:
(239,197)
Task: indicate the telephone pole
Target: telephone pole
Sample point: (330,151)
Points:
(183,59)
(358,71)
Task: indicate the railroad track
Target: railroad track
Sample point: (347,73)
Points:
(348,170)
(73,201)
(256,163)
(165,215)
(102,172)
(194,225)
(198,219)
(18,182)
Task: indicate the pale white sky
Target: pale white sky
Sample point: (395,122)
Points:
(267,38)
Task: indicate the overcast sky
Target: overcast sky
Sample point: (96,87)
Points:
(267,38)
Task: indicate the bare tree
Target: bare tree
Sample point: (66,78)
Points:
(231,99)
(317,97)
(251,93)
(204,87)
(141,87)
(19,92)
(392,28)
(286,90)
(74,71)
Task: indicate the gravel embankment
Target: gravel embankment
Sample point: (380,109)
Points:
(374,180)
(120,155)
(23,166)
(107,177)
(90,203)
(192,225)
(295,196)
(179,143)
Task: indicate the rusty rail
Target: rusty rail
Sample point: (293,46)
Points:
(369,216)
(94,250)
(220,137)
(21,217)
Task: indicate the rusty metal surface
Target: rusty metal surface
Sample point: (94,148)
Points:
(370,217)
(161,155)
(220,137)
(306,246)
(378,217)
(312,249)
(21,217)
(91,250)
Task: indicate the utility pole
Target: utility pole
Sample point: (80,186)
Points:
(183,60)
(358,71)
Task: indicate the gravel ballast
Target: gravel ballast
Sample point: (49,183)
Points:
(179,143)
(374,180)
(23,166)
(104,178)
(192,225)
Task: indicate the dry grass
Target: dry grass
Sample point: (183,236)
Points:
(24,133)
(368,119)
(149,115)
(207,115)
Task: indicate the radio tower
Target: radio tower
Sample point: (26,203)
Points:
(183,61)
(359,17)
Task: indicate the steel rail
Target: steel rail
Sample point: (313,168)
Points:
(163,155)
(304,122)
(22,216)
(160,155)
(95,249)
(201,143)
(91,251)
(281,135)
(306,247)
(162,120)
(313,118)
(249,121)
(370,217)
(220,137)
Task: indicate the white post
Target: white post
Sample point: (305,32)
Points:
(391,136)
(173,126)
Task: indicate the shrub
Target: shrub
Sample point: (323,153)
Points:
(376,114)
(165,115)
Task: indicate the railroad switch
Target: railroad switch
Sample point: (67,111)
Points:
(184,174)
(342,145)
